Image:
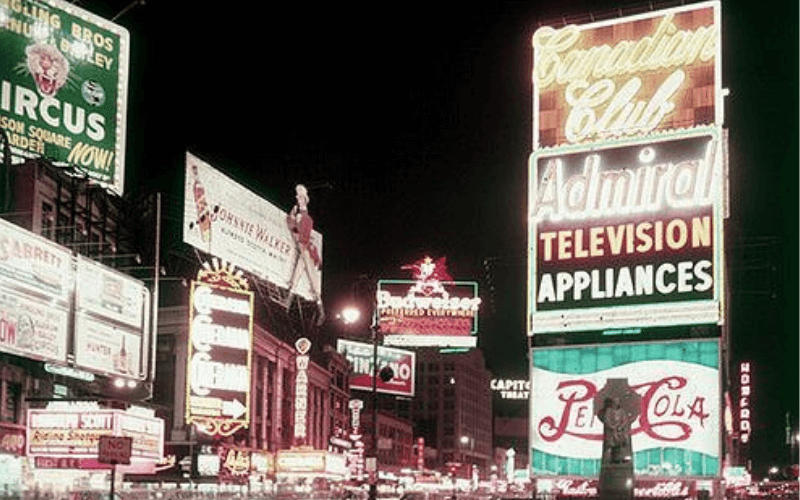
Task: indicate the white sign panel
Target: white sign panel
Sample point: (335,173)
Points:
(32,327)
(35,265)
(110,294)
(101,346)
(226,220)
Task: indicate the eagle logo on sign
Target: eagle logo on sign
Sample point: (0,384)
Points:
(429,275)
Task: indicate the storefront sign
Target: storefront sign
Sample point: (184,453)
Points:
(627,235)
(64,88)
(627,77)
(225,219)
(12,439)
(680,403)
(745,384)
(299,461)
(76,434)
(234,462)
(303,345)
(643,488)
(431,310)
(401,362)
(219,356)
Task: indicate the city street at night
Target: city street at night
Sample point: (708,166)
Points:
(516,249)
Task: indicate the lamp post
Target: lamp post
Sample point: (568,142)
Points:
(351,315)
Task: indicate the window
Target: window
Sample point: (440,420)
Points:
(11,402)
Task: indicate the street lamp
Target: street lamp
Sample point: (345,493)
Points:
(350,315)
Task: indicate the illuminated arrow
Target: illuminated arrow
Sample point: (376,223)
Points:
(233,409)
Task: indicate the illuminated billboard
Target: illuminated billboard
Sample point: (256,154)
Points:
(627,77)
(225,219)
(401,362)
(64,89)
(37,282)
(218,358)
(677,431)
(430,310)
(111,321)
(626,236)
(76,434)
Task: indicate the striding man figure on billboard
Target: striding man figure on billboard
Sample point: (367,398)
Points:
(307,260)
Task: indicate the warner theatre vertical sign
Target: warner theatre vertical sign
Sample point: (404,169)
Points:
(218,360)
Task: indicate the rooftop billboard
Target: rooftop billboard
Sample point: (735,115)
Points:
(402,363)
(627,235)
(627,77)
(226,220)
(677,431)
(64,89)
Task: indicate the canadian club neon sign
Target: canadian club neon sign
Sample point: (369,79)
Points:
(219,351)
(629,76)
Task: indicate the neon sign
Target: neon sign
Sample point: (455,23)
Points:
(301,388)
(632,225)
(431,310)
(511,389)
(629,76)
(219,351)
(745,427)
(401,362)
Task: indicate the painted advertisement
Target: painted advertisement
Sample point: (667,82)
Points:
(677,431)
(76,434)
(401,362)
(219,356)
(101,346)
(64,87)
(627,77)
(226,220)
(627,235)
(36,290)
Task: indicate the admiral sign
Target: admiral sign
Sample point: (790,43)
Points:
(431,310)
(626,235)
(628,77)
(64,86)
(218,367)
(400,361)
(677,431)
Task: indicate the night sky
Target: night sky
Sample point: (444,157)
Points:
(412,128)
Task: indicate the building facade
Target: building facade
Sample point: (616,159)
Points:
(453,407)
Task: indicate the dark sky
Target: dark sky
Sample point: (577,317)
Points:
(412,125)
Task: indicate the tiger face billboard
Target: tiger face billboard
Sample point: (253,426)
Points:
(627,77)
(64,87)
(627,235)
